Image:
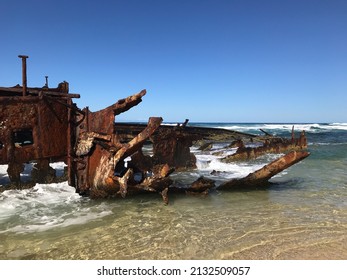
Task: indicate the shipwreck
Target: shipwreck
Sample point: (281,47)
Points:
(44,125)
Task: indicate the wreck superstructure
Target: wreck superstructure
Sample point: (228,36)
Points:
(43,125)
(35,126)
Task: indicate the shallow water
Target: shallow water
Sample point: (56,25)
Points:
(302,215)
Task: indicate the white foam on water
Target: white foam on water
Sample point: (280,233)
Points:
(338,126)
(308,127)
(209,163)
(4,179)
(3,168)
(26,174)
(46,206)
(58,165)
(289,127)
(241,128)
(326,144)
(170,124)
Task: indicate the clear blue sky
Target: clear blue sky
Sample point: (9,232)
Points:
(206,60)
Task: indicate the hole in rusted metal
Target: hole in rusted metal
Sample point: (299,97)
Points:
(23,137)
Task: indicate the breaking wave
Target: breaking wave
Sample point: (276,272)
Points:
(308,127)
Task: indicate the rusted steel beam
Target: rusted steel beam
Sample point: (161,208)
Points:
(271,145)
(125,104)
(60,95)
(137,142)
(34,92)
(201,185)
(65,102)
(105,171)
(103,121)
(128,130)
(18,99)
(102,163)
(24,72)
(261,176)
(99,155)
(71,140)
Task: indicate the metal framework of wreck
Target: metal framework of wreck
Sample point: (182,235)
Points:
(43,125)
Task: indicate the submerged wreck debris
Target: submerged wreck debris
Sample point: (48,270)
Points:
(105,158)
(274,145)
(173,147)
(263,175)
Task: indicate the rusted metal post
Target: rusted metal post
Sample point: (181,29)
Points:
(24,72)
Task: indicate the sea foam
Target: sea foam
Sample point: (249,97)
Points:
(46,206)
(308,127)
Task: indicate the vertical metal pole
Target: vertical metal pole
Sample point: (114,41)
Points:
(24,72)
(46,81)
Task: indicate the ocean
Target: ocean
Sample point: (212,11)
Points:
(301,215)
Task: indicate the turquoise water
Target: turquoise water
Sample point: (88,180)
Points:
(302,215)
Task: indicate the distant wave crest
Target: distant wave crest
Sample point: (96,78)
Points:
(309,127)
